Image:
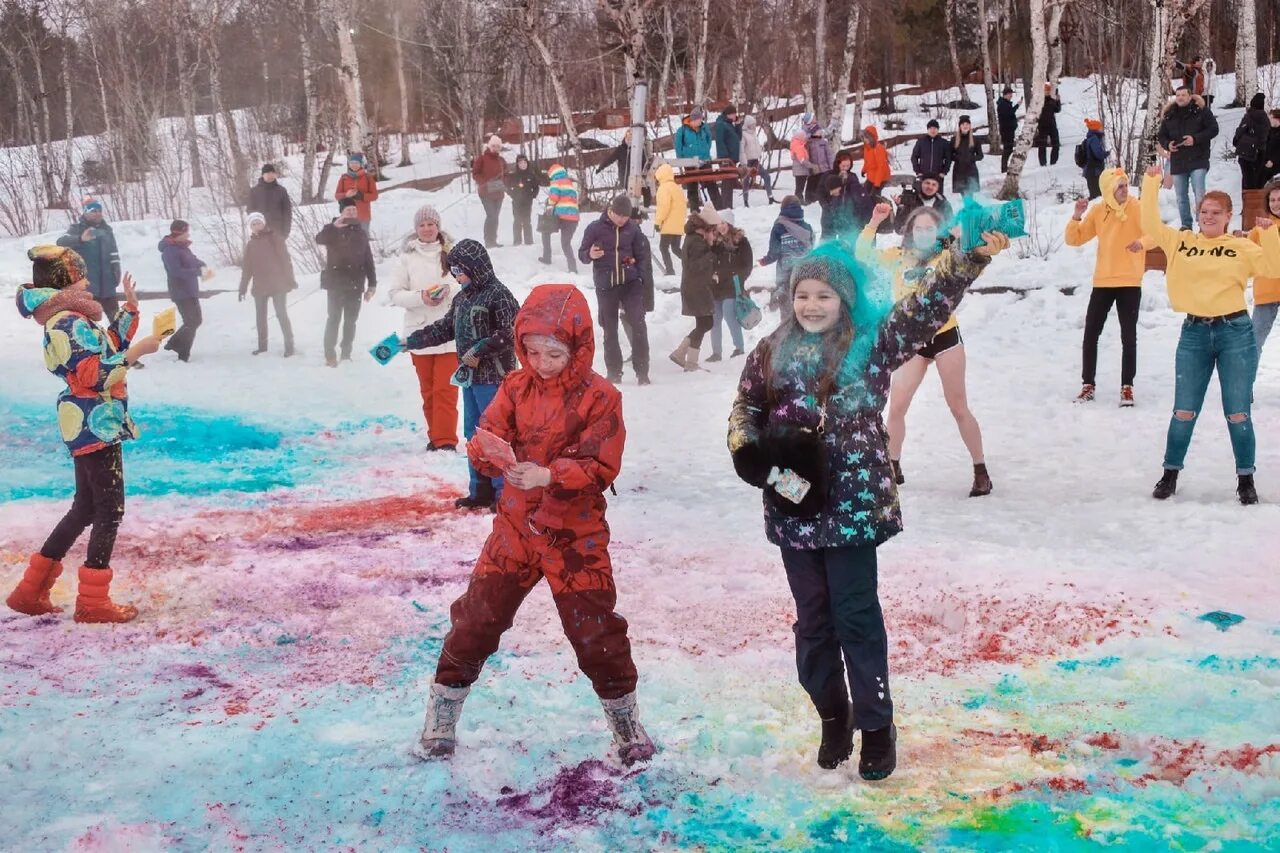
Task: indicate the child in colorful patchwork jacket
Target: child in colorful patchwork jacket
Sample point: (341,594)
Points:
(809,405)
(564,424)
(93,416)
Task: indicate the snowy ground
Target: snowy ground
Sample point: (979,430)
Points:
(293,551)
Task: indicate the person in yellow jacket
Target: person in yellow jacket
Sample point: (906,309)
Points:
(1266,291)
(921,243)
(1117,277)
(1207,273)
(670,216)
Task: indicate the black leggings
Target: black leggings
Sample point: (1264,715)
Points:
(99,501)
(1128,300)
(670,245)
(701,325)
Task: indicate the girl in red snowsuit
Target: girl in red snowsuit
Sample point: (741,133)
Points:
(564,423)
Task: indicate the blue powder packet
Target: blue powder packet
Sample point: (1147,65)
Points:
(975,217)
(387,348)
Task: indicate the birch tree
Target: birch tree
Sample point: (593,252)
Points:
(700,55)
(840,100)
(1246,51)
(1170,20)
(1030,124)
(988,84)
(403,85)
(349,74)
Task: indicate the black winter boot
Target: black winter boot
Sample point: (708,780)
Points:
(484,498)
(1167,486)
(981,481)
(1245,491)
(879,754)
(837,737)
(897,472)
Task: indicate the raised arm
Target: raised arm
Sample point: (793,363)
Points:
(1152,225)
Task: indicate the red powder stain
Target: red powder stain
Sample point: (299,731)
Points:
(1103,740)
(1057,784)
(236,707)
(1031,742)
(1172,760)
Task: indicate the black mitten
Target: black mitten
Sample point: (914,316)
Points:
(801,451)
(751,461)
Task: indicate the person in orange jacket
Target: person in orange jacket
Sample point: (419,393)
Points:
(875,160)
(358,184)
(563,422)
(1117,276)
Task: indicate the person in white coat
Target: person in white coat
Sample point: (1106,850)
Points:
(751,154)
(422,286)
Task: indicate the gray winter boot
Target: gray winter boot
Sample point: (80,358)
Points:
(679,354)
(439,738)
(691,361)
(631,744)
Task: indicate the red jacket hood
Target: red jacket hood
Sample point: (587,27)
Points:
(559,311)
(871,131)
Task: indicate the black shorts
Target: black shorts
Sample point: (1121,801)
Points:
(942,342)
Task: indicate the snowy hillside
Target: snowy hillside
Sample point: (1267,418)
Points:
(294,552)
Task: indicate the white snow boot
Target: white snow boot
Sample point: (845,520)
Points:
(439,737)
(631,744)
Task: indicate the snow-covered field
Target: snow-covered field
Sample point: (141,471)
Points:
(294,551)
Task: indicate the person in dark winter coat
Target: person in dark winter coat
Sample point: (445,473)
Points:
(480,321)
(269,268)
(845,201)
(349,275)
(932,153)
(1047,128)
(93,240)
(1186,132)
(926,192)
(809,406)
(790,239)
(564,424)
(1250,142)
(523,185)
(699,271)
(488,170)
(183,271)
(727,131)
(1271,159)
(93,418)
(617,252)
(1095,156)
(621,157)
(1007,118)
(735,261)
(272,201)
(966,153)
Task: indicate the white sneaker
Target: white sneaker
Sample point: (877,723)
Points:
(631,743)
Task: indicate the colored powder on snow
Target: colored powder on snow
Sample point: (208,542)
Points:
(1221,619)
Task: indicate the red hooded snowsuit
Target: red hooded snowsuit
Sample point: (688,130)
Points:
(571,424)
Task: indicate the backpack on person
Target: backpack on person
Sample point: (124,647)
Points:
(1082,153)
(1246,142)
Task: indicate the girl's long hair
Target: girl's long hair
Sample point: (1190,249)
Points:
(845,349)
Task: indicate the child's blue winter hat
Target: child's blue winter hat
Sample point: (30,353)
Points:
(355,157)
(92,205)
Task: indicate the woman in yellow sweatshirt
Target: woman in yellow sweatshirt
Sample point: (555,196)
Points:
(1206,274)
(1117,276)
(921,243)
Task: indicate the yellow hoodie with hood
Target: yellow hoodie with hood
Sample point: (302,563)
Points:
(1207,276)
(672,206)
(1116,226)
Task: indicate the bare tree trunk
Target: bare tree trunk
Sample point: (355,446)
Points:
(859,82)
(1039,68)
(43,151)
(349,73)
(1246,51)
(984,39)
(840,100)
(950,17)
(535,21)
(405,158)
(737,93)
(1171,18)
(187,94)
(69,117)
(239,166)
(1054,36)
(700,55)
(310,107)
(106,112)
(821,73)
(668,55)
